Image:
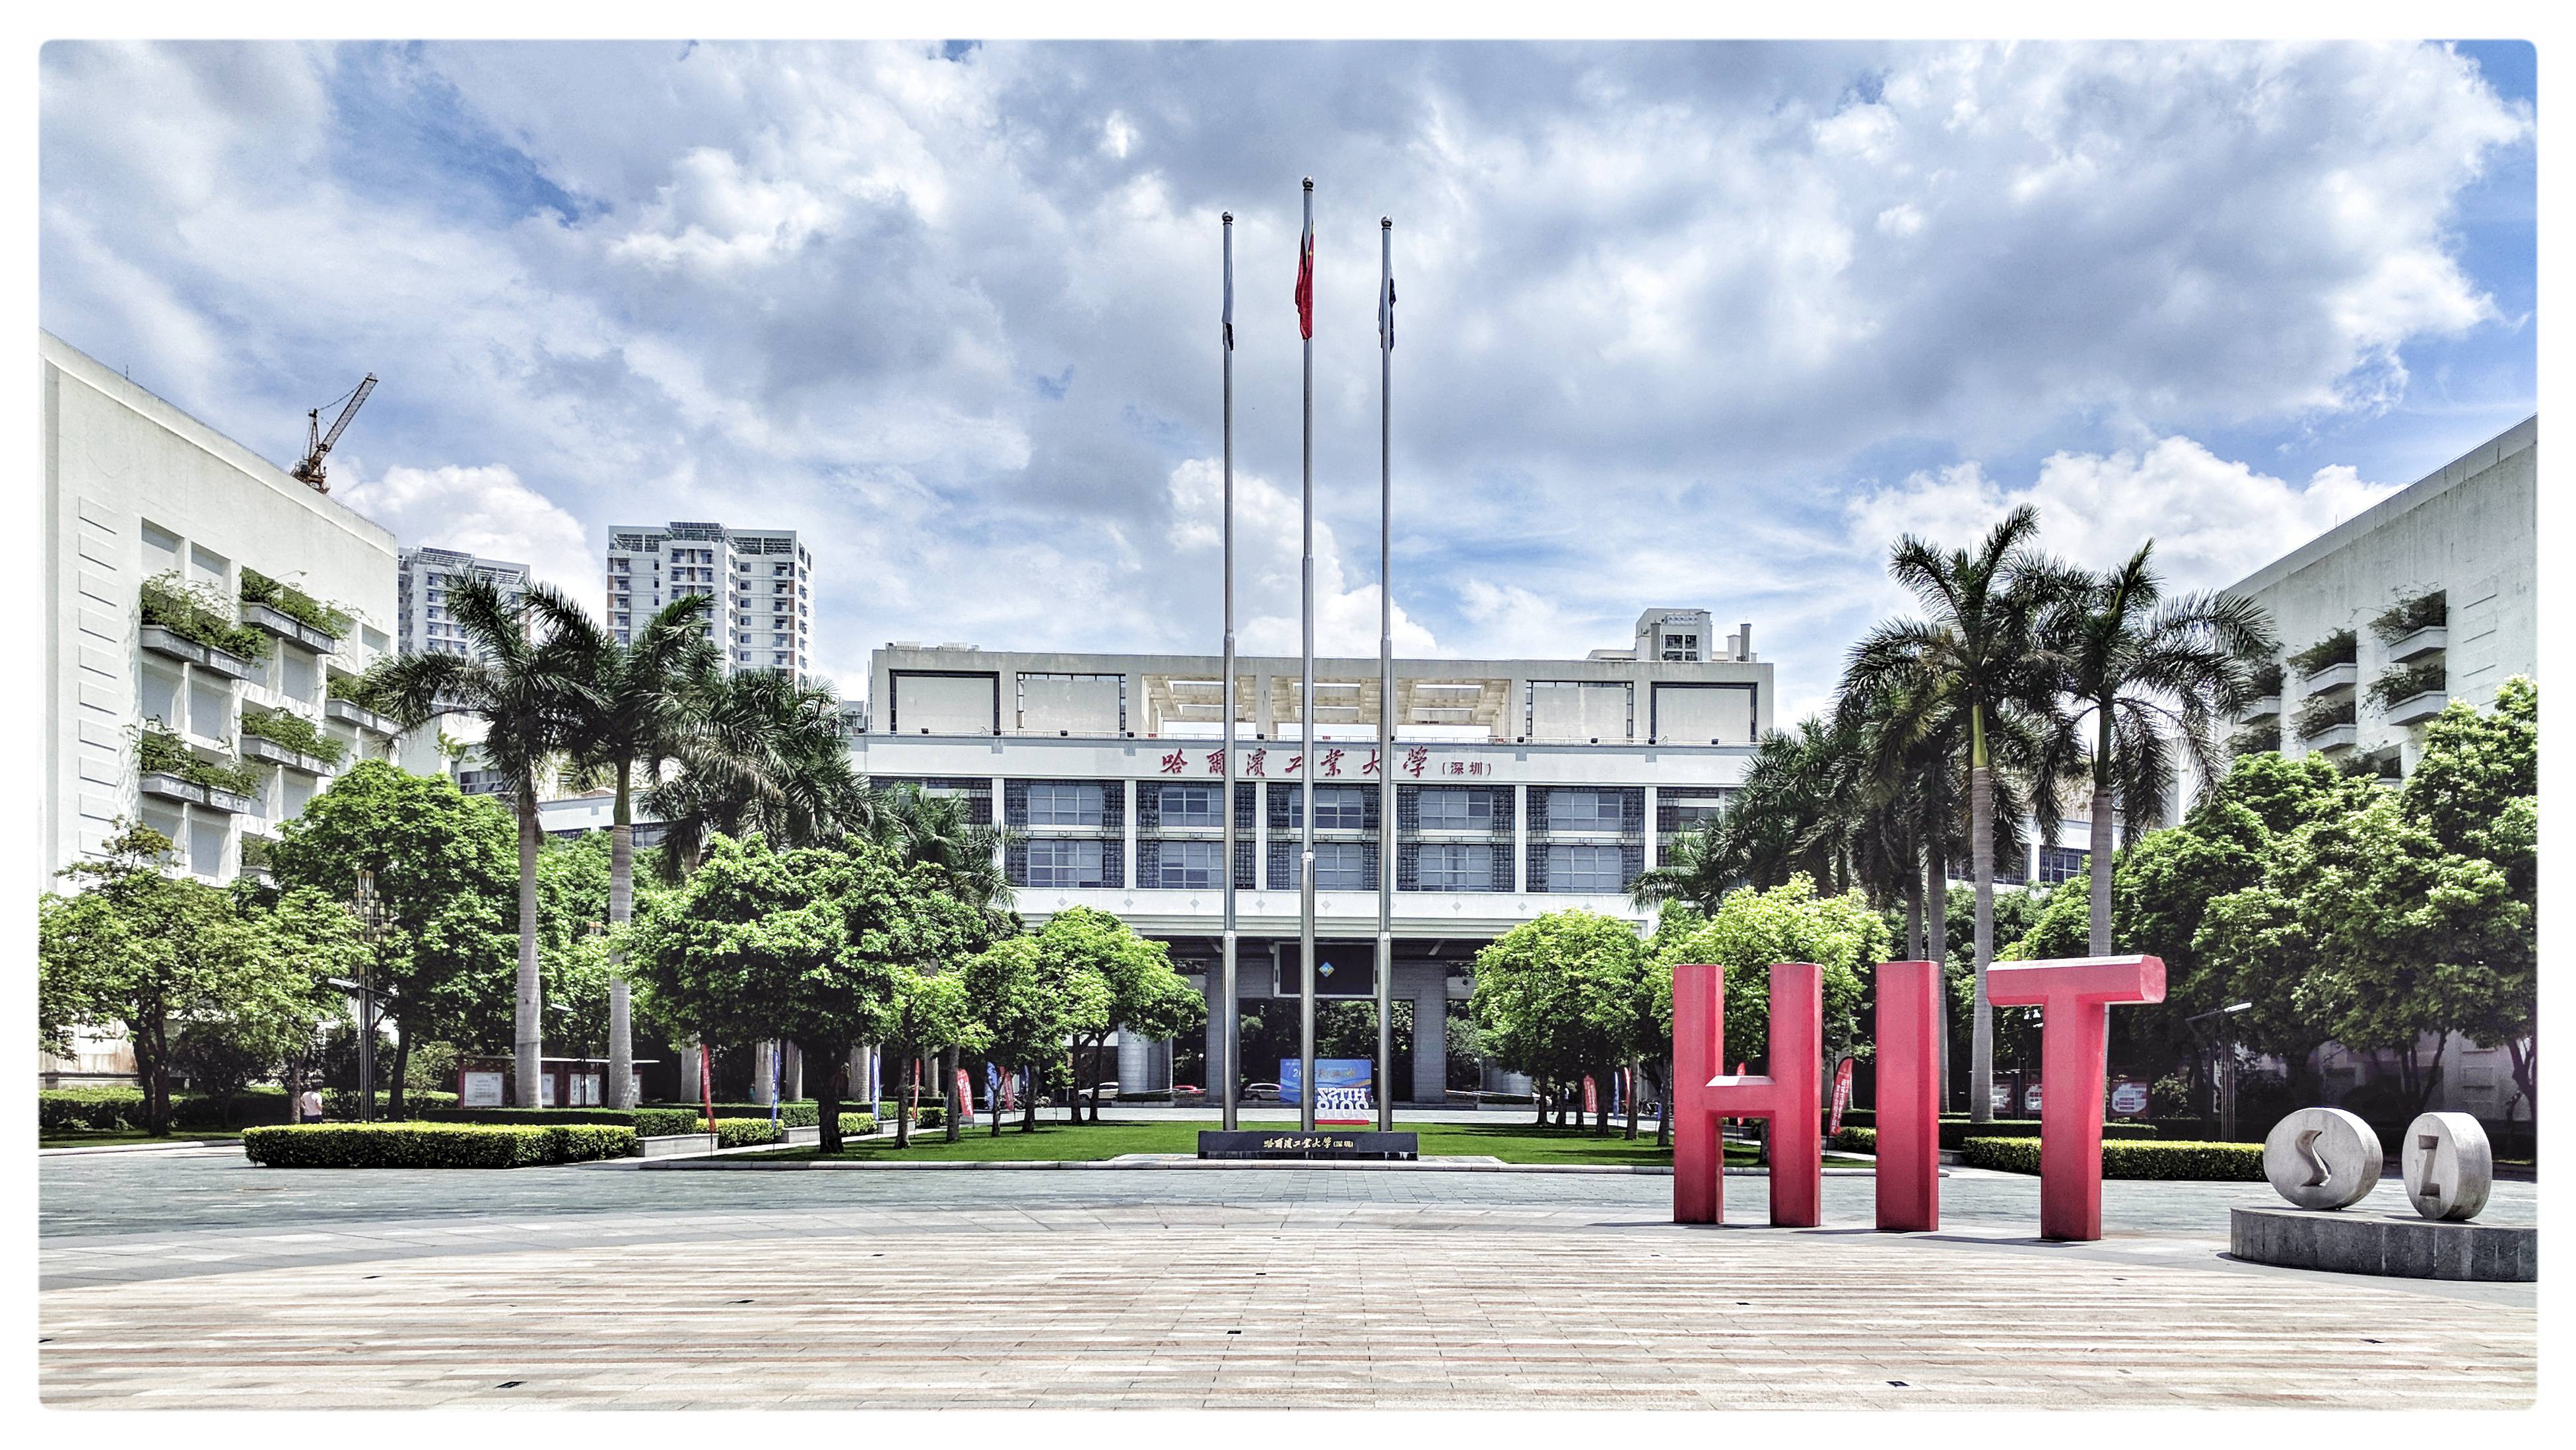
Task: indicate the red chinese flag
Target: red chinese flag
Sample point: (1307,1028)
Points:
(1306,283)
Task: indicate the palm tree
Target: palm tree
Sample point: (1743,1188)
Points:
(762,754)
(923,829)
(1980,655)
(2147,675)
(1791,813)
(524,679)
(636,712)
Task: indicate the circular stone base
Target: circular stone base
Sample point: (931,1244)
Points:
(2370,1243)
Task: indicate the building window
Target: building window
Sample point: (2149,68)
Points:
(1584,868)
(1337,808)
(2061,863)
(1455,866)
(1584,810)
(1064,863)
(1189,865)
(1064,803)
(1456,810)
(1192,805)
(1341,866)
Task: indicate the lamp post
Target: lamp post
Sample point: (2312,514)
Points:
(2226,1069)
(369,908)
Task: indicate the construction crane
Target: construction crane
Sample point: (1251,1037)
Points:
(318,443)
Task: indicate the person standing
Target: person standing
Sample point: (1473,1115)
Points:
(308,1108)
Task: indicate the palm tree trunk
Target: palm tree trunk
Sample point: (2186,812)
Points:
(621,906)
(1914,912)
(394,1104)
(2099,869)
(1981,852)
(1936,948)
(948,1092)
(528,1031)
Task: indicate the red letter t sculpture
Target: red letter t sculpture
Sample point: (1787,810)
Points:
(1789,1098)
(2074,997)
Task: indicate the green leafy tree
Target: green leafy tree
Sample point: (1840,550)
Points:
(1029,1012)
(153,955)
(1565,994)
(441,860)
(1145,995)
(764,754)
(2477,790)
(1979,659)
(1753,930)
(524,676)
(825,948)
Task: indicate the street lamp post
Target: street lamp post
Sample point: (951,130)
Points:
(2225,1054)
(369,908)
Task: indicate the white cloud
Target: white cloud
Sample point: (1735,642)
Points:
(2213,520)
(485,511)
(1268,576)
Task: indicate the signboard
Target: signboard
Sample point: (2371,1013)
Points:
(546,1090)
(586,1088)
(1288,1142)
(1330,1073)
(2003,1095)
(480,1090)
(2128,1098)
(1342,969)
(2030,1098)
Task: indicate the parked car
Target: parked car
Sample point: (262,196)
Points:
(1260,1092)
(1184,1093)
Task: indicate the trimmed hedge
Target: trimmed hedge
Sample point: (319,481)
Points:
(800,1114)
(647,1122)
(1857,1140)
(2235,1162)
(858,1125)
(434,1145)
(743,1132)
(341,1104)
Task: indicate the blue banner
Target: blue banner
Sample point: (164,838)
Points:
(1330,1072)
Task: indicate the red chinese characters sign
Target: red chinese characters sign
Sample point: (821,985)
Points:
(1330,764)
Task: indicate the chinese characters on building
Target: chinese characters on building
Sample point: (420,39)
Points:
(1331,764)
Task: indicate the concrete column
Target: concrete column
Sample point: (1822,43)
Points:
(856,1088)
(1653,837)
(689,1089)
(1135,1060)
(1260,837)
(1431,1042)
(1001,808)
(795,1074)
(763,1055)
(1127,868)
(1520,838)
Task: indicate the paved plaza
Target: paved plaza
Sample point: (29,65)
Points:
(196,1280)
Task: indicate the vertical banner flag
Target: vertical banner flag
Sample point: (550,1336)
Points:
(707,1082)
(1591,1095)
(1306,282)
(1386,314)
(1842,1096)
(965,1097)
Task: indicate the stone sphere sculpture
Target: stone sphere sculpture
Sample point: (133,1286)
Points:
(2324,1158)
(2448,1165)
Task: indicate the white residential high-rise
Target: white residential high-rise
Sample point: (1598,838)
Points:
(426,573)
(761,582)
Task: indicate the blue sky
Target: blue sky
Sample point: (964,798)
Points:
(1682,324)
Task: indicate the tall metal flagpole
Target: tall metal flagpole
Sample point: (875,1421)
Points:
(1306,1087)
(1386,834)
(1222,1068)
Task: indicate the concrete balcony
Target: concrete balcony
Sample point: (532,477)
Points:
(2335,679)
(286,626)
(229,803)
(350,712)
(2334,739)
(170,646)
(172,788)
(2267,708)
(2418,707)
(269,752)
(2430,640)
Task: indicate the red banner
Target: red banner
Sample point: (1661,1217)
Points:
(1842,1096)
(1591,1095)
(965,1097)
(707,1082)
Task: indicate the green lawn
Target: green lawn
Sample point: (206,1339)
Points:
(1512,1143)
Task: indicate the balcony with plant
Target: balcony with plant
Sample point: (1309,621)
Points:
(2429,610)
(314,622)
(295,733)
(199,614)
(2256,739)
(159,752)
(2410,693)
(2339,648)
(2321,715)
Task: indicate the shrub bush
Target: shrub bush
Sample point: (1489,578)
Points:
(2241,1162)
(95,1110)
(647,1122)
(858,1125)
(743,1132)
(434,1145)
(801,1114)
(1856,1140)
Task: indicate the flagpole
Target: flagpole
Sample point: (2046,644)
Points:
(1306,1086)
(1227,1045)
(1386,846)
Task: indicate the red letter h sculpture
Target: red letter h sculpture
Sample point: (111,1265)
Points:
(2074,998)
(1789,1098)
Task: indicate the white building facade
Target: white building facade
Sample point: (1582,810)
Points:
(148,721)
(423,623)
(760,582)
(1523,787)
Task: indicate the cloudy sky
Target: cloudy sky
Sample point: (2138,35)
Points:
(1680,324)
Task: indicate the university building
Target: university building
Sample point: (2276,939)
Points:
(1522,787)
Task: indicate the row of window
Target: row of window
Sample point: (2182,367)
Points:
(1339,866)
(1337,807)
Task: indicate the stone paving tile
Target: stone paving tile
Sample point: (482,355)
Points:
(1334,1308)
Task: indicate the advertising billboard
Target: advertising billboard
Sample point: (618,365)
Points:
(1330,1073)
